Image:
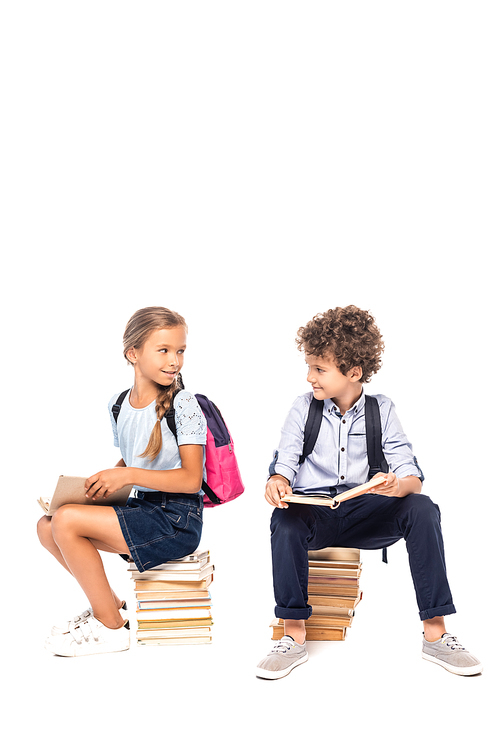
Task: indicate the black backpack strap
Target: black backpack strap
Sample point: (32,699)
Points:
(170,417)
(376,458)
(312,427)
(116,408)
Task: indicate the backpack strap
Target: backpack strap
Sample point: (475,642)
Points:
(312,427)
(170,417)
(376,458)
(116,408)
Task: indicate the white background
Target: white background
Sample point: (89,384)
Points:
(250,165)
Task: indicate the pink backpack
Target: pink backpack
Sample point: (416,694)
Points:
(223,475)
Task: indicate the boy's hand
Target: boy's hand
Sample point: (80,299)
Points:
(394,487)
(390,488)
(104,483)
(276,488)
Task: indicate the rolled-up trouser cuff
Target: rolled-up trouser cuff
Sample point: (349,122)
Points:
(298,614)
(439,611)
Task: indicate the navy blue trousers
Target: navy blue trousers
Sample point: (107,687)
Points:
(368,522)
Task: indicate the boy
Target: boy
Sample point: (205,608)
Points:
(343,349)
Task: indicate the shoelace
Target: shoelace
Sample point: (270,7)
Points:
(282,647)
(452,642)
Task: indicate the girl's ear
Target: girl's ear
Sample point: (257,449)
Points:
(131,355)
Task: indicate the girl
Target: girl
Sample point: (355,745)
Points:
(163,519)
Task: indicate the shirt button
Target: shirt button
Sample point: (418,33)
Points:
(342,477)
(343,421)
(342,449)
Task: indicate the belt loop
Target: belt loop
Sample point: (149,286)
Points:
(164,500)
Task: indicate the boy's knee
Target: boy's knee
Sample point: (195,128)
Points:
(288,523)
(421,507)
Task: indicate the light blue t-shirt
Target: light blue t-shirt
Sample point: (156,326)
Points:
(133,430)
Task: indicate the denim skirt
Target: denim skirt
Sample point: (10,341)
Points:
(159,526)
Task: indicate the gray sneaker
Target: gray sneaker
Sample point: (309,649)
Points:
(284,656)
(448,653)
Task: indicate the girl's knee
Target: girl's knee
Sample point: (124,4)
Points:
(44,531)
(62,520)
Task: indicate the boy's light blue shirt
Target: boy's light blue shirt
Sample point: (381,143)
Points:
(340,457)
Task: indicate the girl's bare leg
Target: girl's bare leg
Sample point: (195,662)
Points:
(77,532)
(44,530)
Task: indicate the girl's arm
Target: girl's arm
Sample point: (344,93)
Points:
(185,480)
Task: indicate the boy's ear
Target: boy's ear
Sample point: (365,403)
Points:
(355,374)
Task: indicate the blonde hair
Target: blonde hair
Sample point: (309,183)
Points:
(138,329)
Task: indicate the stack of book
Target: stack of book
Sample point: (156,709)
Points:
(334,593)
(173,601)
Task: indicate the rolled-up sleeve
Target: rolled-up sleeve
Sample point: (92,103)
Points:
(398,450)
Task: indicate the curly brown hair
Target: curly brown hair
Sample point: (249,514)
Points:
(349,335)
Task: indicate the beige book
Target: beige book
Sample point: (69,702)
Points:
(333,502)
(70,490)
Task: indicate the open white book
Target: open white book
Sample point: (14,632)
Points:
(333,502)
(70,490)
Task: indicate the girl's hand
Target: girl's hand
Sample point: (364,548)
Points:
(390,488)
(277,488)
(104,483)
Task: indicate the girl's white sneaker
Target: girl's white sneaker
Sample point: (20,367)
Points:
(62,629)
(89,637)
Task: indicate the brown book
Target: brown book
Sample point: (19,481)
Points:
(335,553)
(326,564)
(70,490)
(324,621)
(334,572)
(337,611)
(173,585)
(154,615)
(184,603)
(313,633)
(157,597)
(165,575)
(201,640)
(174,623)
(352,582)
(334,590)
(338,601)
(171,633)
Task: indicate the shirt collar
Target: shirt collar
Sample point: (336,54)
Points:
(355,408)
